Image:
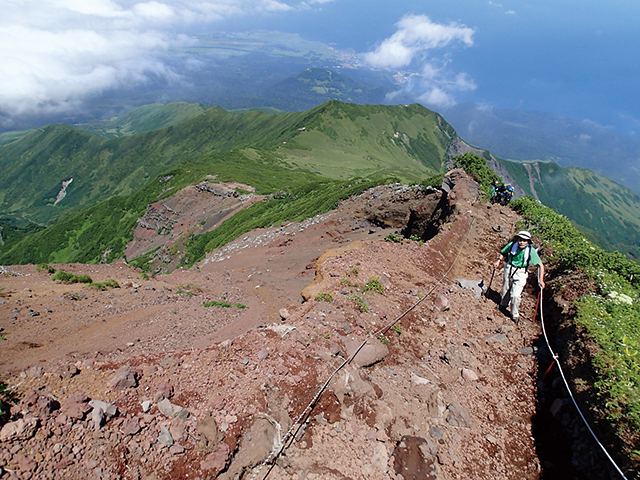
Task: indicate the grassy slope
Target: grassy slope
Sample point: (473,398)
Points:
(38,163)
(350,140)
(9,137)
(102,231)
(144,119)
(607,212)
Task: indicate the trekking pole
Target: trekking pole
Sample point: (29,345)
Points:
(486,295)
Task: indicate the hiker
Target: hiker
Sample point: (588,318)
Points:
(518,255)
(508,195)
(494,191)
(500,193)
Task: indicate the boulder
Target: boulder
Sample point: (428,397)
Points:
(22,429)
(457,416)
(208,428)
(372,352)
(126,377)
(171,410)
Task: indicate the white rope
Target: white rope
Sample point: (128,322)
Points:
(555,359)
(299,421)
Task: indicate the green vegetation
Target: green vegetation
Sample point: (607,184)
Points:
(571,248)
(406,141)
(307,155)
(215,303)
(477,166)
(397,328)
(611,317)
(374,284)
(48,268)
(102,286)
(69,278)
(383,340)
(189,290)
(434,181)
(144,119)
(241,306)
(302,202)
(324,297)
(394,237)
(416,238)
(360,303)
(605,212)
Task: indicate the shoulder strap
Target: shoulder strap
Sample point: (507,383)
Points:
(514,250)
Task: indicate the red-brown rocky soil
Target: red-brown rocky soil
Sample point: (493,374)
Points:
(444,388)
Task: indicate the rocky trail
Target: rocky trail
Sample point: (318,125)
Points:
(201,373)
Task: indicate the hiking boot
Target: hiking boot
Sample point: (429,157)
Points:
(516,320)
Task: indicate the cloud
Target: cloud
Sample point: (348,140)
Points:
(439,87)
(422,44)
(55,53)
(416,36)
(500,5)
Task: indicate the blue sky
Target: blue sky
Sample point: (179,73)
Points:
(572,58)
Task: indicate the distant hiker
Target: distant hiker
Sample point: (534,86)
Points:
(507,195)
(500,193)
(518,254)
(494,191)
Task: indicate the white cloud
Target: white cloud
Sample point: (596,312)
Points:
(54,53)
(422,44)
(437,97)
(416,36)
(511,12)
(439,87)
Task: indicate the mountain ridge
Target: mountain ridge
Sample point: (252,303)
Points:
(333,141)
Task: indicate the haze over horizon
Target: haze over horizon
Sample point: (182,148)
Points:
(570,58)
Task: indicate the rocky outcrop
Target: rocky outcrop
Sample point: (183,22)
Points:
(159,218)
(391,207)
(426,218)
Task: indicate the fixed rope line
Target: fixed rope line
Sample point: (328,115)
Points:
(555,359)
(297,425)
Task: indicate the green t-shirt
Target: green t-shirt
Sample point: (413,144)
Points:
(518,259)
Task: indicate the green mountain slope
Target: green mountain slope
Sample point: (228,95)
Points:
(529,136)
(144,119)
(37,164)
(101,232)
(606,211)
(343,140)
(105,185)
